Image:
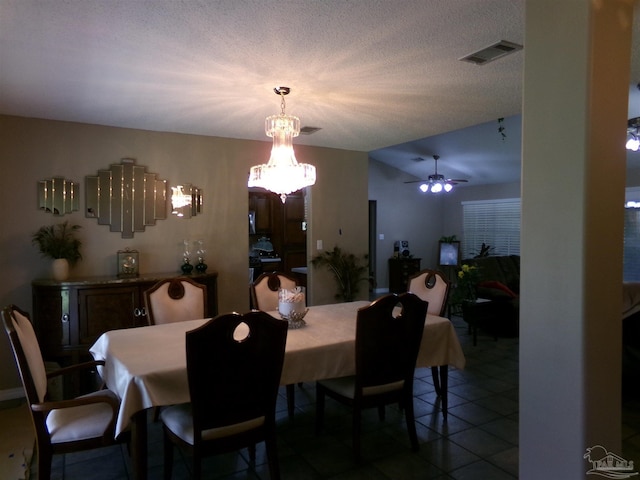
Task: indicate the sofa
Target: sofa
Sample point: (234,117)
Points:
(499,281)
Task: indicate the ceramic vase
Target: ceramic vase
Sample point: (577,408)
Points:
(60,269)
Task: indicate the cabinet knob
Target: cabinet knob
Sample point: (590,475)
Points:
(65,317)
(140,312)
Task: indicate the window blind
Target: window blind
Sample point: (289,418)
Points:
(493,222)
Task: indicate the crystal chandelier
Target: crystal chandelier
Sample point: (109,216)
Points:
(283,174)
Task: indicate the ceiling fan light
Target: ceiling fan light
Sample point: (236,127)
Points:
(436,187)
(633,143)
(424,187)
(448,187)
(282,174)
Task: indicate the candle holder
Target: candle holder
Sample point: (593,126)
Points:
(201,267)
(292,306)
(186,267)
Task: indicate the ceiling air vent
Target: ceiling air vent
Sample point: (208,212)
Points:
(309,130)
(492,52)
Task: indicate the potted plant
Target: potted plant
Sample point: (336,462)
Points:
(59,242)
(347,269)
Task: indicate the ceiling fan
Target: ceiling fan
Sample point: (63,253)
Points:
(437,183)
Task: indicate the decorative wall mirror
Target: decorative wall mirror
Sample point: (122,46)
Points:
(126,198)
(186,200)
(58,196)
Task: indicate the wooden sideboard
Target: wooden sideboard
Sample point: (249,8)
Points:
(400,269)
(69,316)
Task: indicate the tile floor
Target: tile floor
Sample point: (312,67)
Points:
(479,440)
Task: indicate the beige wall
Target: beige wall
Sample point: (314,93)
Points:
(33,150)
(403,213)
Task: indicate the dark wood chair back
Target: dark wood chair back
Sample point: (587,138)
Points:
(388,340)
(388,336)
(234,364)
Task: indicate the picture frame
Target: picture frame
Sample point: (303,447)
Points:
(449,254)
(128,263)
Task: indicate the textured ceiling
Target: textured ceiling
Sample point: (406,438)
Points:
(370,73)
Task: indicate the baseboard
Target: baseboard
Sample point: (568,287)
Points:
(11,394)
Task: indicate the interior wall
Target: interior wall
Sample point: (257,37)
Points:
(570,288)
(339,214)
(34,149)
(404,213)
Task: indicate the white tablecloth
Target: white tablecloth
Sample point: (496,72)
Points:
(146,366)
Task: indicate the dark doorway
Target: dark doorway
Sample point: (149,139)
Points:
(373,227)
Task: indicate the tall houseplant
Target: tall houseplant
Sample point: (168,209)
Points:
(347,269)
(60,243)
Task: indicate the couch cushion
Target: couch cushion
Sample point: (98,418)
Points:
(504,269)
(488,269)
(510,266)
(498,288)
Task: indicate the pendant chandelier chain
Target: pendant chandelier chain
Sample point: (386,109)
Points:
(282,104)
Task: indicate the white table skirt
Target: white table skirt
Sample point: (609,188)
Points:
(146,366)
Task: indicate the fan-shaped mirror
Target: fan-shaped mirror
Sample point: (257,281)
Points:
(126,197)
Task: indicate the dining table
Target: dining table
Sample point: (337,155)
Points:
(146,366)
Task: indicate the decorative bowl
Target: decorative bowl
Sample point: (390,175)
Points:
(295,318)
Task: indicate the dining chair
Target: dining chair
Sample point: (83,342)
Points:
(264,291)
(61,426)
(234,363)
(264,296)
(175,300)
(386,351)
(432,286)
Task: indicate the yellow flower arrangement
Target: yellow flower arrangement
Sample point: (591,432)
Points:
(465,290)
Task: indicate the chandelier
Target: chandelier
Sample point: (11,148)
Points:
(282,174)
(633,134)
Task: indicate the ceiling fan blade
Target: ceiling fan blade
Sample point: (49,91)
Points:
(437,178)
